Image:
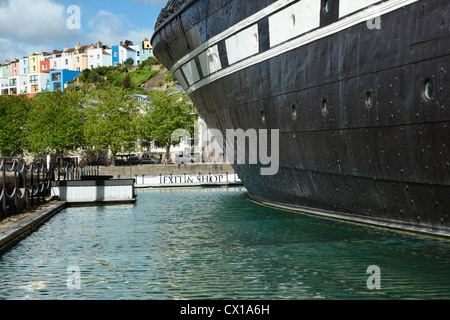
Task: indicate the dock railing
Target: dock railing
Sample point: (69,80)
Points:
(25,187)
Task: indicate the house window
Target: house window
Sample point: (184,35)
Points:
(44,67)
(34,68)
(67,61)
(56,77)
(57,86)
(34,79)
(34,88)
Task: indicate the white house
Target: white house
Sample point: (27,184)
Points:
(99,57)
(37,82)
(56,61)
(13,85)
(135,48)
(4,86)
(67,59)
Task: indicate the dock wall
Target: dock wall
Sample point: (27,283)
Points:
(94,191)
(150,170)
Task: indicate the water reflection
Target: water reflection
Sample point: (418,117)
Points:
(215,244)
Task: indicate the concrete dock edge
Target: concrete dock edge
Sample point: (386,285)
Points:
(13,234)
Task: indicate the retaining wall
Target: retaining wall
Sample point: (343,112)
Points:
(127,172)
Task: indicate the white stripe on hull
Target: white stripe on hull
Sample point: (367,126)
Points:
(241,39)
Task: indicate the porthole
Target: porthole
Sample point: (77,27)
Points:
(294,112)
(428,89)
(293,20)
(324,107)
(326,6)
(369,100)
(263,117)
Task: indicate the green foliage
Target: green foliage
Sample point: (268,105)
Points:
(126,81)
(104,117)
(116,76)
(55,122)
(140,77)
(129,62)
(149,62)
(13,115)
(168,111)
(170,77)
(110,119)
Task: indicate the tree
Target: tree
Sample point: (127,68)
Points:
(55,122)
(167,112)
(127,81)
(129,62)
(13,114)
(110,120)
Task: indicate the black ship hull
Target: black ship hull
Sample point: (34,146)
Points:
(359,91)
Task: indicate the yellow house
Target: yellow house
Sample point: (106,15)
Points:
(80,57)
(34,63)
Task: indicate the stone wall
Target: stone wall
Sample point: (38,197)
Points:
(149,170)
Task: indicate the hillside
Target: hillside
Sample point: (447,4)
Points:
(157,80)
(149,75)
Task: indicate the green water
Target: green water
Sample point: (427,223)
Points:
(215,244)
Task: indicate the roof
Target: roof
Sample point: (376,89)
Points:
(128,48)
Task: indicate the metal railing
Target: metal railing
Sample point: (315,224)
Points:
(27,186)
(171,7)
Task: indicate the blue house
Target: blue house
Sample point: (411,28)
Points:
(145,50)
(24,66)
(58,79)
(119,54)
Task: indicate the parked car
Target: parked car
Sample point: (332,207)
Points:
(134,161)
(120,162)
(149,161)
(182,159)
(92,163)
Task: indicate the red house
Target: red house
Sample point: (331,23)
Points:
(45,66)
